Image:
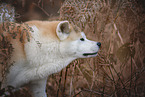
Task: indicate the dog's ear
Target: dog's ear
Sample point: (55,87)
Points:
(63,30)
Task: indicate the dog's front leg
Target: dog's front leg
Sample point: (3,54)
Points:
(38,88)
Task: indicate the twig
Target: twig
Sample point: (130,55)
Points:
(71,83)
(121,39)
(65,80)
(82,74)
(95,92)
(59,84)
(41,9)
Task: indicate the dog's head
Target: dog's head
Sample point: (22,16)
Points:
(74,43)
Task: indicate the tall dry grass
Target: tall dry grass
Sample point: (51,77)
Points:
(118,70)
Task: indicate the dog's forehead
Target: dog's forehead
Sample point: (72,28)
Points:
(75,33)
(75,28)
(78,31)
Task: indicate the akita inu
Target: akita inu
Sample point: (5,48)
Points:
(51,47)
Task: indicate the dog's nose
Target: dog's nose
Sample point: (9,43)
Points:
(99,44)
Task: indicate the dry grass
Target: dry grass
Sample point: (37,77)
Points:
(119,68)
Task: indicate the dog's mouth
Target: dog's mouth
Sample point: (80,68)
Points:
(90,54)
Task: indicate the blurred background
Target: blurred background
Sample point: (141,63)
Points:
(119,68)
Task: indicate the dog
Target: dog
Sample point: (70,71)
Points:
(42,48)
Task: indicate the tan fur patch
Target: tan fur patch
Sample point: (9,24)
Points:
(47,28)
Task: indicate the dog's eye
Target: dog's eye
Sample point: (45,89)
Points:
(82,39)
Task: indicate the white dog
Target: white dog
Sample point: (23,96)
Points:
(52,46)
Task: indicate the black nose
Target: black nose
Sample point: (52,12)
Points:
(99,44)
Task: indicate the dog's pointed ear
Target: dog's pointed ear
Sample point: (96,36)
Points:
(63,30)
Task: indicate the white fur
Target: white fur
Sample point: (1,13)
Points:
(45,56)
